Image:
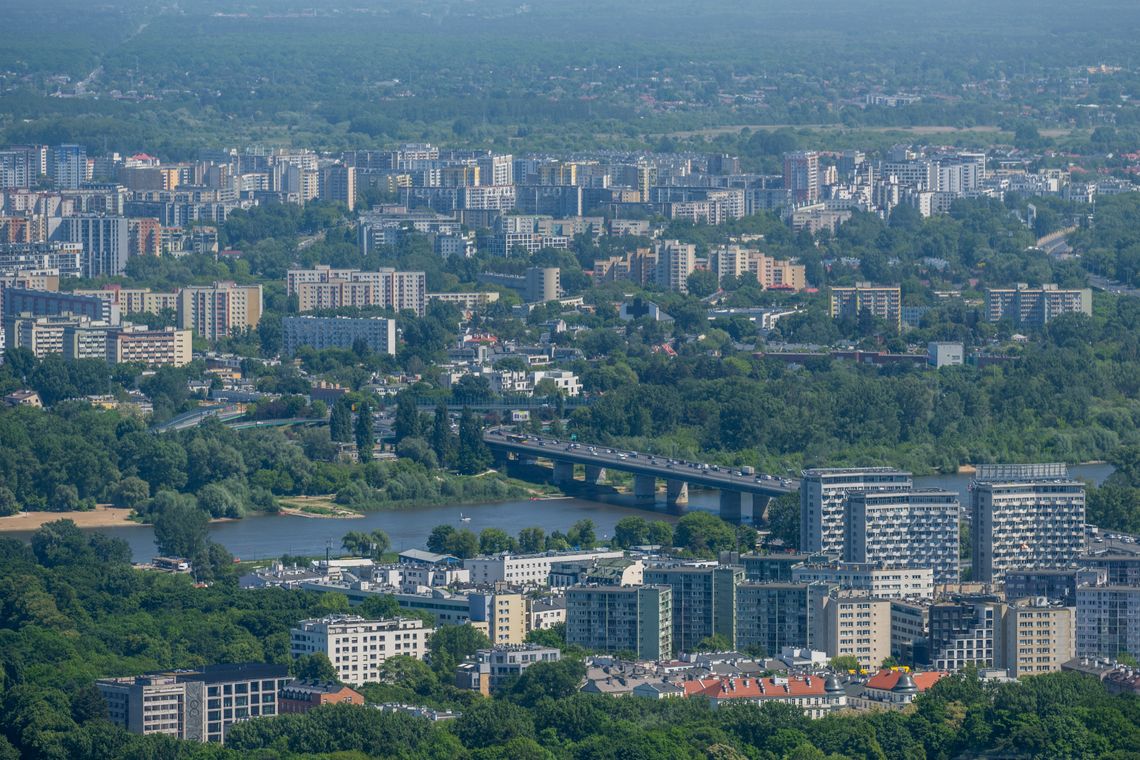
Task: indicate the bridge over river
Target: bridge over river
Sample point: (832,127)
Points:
(647,469)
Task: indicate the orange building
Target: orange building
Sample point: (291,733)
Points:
(302,696)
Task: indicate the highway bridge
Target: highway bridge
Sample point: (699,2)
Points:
(647,469)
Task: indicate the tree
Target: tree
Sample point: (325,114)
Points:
(495,540)
(844,663)
(8,503)
(131,493)
(473,456)
(716,643)
(582,534)
(547,680)
(493,721)
(660,533)
(181,530)
(314,667)
(702,283)
(441,442)
(363,432)
(362,544)
(463,544)
(439,537)
(340,420)
(784,519)
(532,540)
(704,534)
(451,644)
(631,531)
(407,417)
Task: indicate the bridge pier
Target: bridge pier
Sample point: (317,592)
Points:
(676,493)
(730,506)
(563,472)
(644,487)
(760,504)
(594,474)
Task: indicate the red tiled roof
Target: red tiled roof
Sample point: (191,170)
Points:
(750,688)
(886,679)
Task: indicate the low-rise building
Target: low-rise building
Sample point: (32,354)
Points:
(816,696)
(302,696)
(527,569)
(892,689)
(489,669)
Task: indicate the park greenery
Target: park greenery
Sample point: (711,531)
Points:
(72,609)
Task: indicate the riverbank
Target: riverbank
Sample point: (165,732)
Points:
(100,517)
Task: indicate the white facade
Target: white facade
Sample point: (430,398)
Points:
(878,581)
(338,332)
(823,500)
(905,529)
(526,569)
(358,648)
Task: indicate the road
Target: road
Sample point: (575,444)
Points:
(1112,286)
(694,473)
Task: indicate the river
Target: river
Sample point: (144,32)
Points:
(264,536)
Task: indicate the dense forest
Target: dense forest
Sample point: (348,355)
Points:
(73,610)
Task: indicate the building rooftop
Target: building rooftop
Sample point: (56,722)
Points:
(756,688)
(887,680)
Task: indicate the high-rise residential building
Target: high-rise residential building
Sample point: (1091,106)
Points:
(19,168)
(823,501)
(378,333)
(338,184)
(635,619)
(327,288)
(144,237)
(358,648)
(105,240)
(69,166)
(883,302)
(704,600)
(905,529)
(169,347)
(735,261)
(1038,636)
(1035,307)
(1055,584)
(496,170)
(44,303)
(1108,621)
(775,615)
(198,704)
(219,310)
(853,625)
(801,176)
(675,262)
(1024,516)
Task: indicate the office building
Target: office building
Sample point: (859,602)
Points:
(1108,621)
(327,288)
(488,669)
(105,240)
(801,176)
(1035,307)
(358,648)
(774,615)
(823,501)
(853,625)
(905,529)
(635,619)
(1038,637)
(319,333)
(704,600)
(1025,517)
(219,310)
(881,302)
(198,704)
(870,578)
(966,631)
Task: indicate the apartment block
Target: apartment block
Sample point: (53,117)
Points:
(488,669)
(1108,621)
(823,502)
(319,333)
(775,615)
(704,600)
(169,347)
(883,302)
(338,184)
(966,631)
(1038,637)
(774,568)
(327,288)
(675,262)
(358,648)
(801,176)
(134,300)
(635,619)
(870,578)
(1025,517)
(1035,307)
(219,310)
(528,569)
(905,529)
(1058,584)
(198,704)
(769,272)
(42,303)
(105,241)
(910,623)
(854,625)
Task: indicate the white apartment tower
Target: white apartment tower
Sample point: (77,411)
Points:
(358,648)
(823,500)
(905,529)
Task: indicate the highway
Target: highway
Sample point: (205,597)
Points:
(657,466)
